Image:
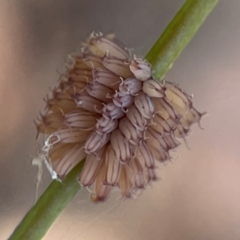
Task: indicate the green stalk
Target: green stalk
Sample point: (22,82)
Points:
(162,55)
(177,35)
(48,207)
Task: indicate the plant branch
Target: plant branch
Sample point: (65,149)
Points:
(48,207)
(177,35)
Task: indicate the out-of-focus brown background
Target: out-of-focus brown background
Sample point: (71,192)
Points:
(199,196)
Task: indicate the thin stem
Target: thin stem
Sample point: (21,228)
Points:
(177,35)
(39,219)
(162,55)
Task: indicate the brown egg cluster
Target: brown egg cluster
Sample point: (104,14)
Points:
(108,109)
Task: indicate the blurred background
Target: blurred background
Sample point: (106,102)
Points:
(199,195)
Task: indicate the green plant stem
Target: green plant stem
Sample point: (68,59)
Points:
(162,55)
(39,219)
(177,35)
